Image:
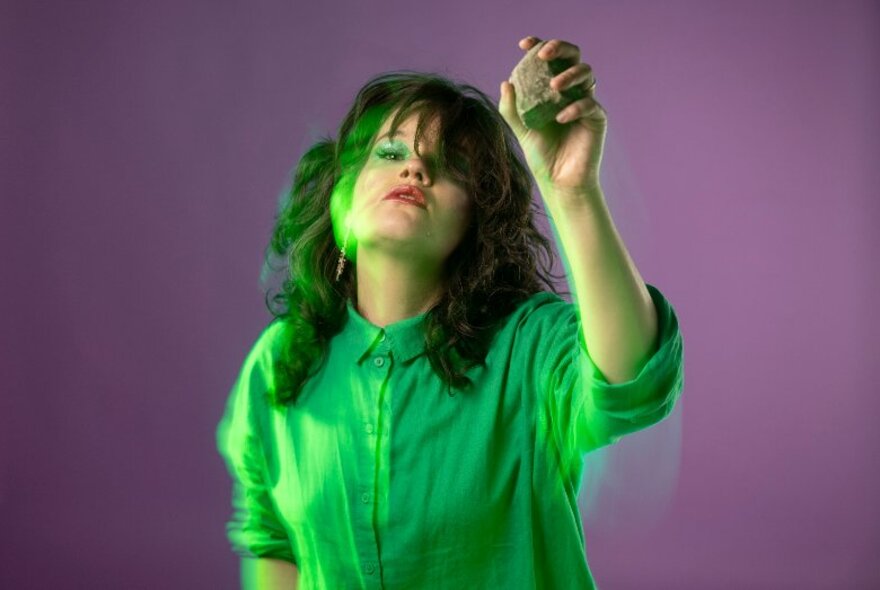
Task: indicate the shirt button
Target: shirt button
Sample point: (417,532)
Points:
(369,429)
(378,361)
(370,568)
(365,498)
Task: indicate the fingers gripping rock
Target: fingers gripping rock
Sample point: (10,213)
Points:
(536,102)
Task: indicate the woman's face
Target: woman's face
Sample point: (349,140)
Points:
(430,233)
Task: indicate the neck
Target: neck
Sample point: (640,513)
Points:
(394,289)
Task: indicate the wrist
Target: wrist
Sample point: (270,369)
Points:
(584,198)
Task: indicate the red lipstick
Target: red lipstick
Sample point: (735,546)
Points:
(408,194)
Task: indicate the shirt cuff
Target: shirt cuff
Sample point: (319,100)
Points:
(617,409)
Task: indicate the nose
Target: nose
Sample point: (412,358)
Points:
(416,168)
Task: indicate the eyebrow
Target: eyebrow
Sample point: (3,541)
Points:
(389,134)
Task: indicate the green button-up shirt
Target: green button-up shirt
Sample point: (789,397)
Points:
(377,478)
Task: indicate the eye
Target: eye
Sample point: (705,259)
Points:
(391,151)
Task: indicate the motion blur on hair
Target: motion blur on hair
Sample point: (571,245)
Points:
(479,227)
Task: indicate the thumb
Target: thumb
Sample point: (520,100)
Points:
(507,108)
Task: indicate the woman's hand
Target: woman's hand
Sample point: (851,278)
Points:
(564,156)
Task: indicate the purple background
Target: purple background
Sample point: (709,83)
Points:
(144,146)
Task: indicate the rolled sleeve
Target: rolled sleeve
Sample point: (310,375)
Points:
(255,529)
(588,411)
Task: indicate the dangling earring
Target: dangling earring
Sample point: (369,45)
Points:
(340,264)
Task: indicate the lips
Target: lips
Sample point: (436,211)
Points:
(409,194)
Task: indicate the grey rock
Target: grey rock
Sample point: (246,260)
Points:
(536,102)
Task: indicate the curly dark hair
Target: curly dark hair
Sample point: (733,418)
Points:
(493,269)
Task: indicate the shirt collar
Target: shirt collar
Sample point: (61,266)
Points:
(405,338)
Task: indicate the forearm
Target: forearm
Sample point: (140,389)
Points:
(618,317)
(268,574)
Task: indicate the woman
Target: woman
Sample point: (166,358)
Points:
(417,413)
